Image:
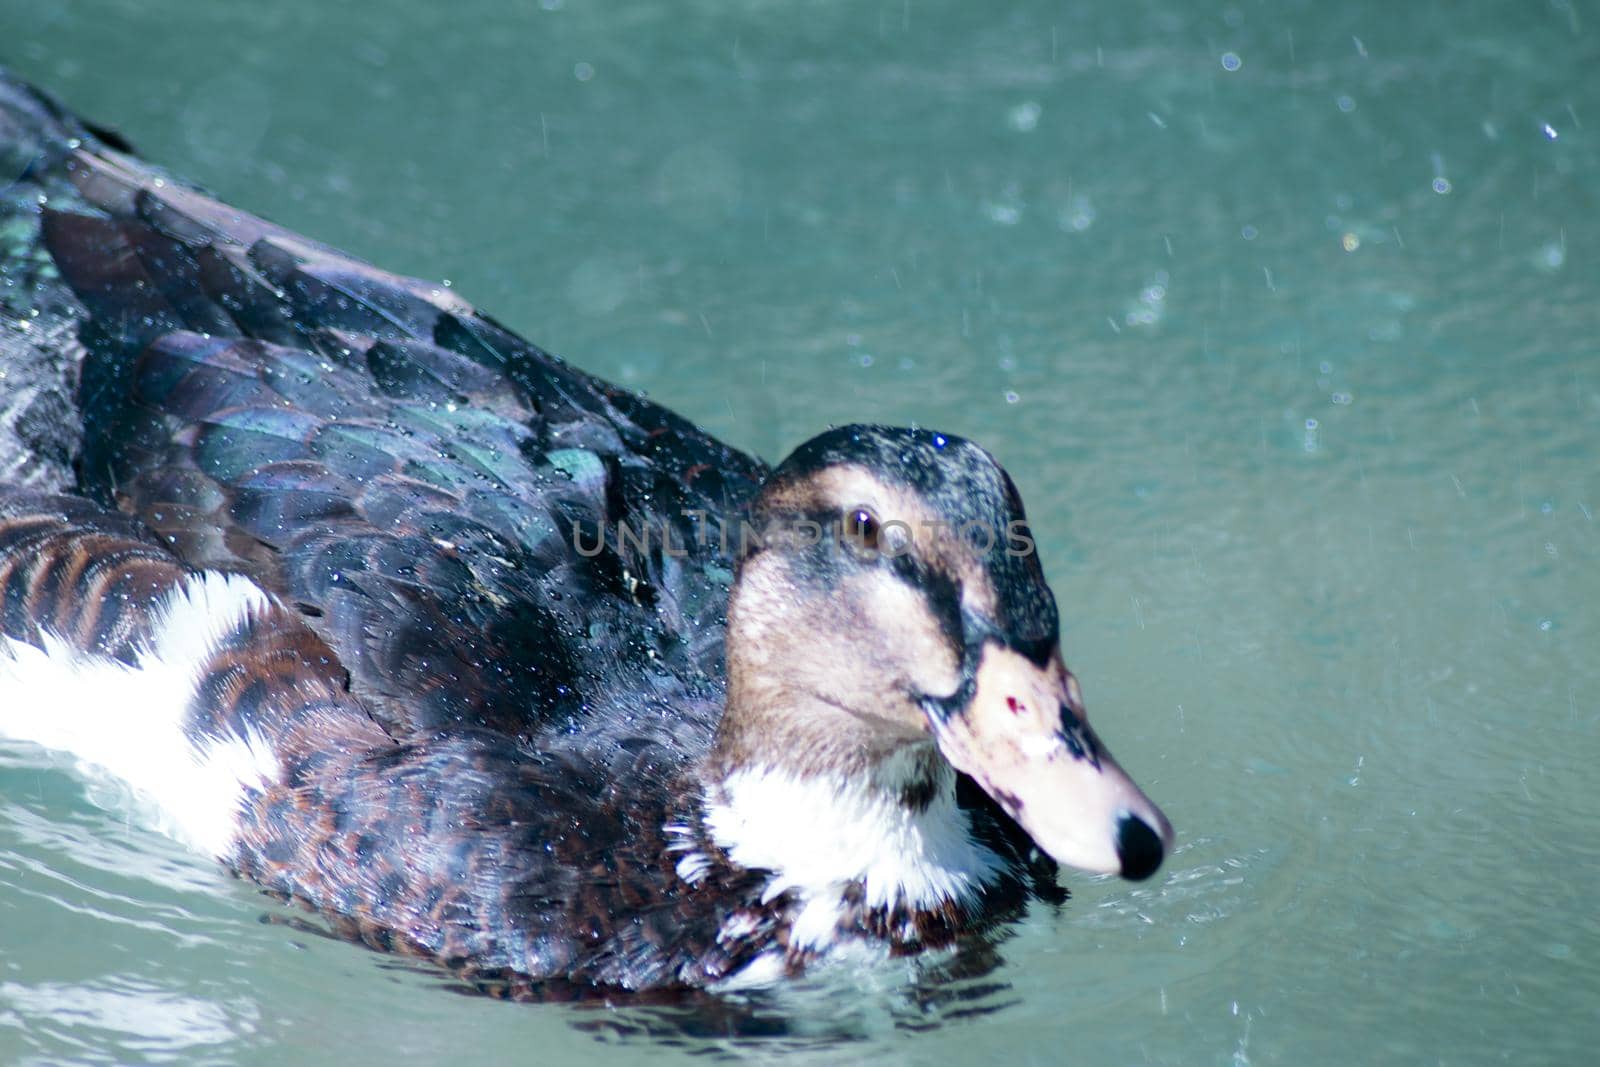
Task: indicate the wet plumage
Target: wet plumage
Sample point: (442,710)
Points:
(471,674)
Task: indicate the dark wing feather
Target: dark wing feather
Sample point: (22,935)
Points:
(407,472)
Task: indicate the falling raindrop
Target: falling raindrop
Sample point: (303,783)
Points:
(1078,215)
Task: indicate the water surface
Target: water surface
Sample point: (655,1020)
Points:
(1283,318)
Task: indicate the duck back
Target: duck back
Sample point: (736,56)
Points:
(486,536)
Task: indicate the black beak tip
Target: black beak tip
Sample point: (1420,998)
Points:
(1139,848)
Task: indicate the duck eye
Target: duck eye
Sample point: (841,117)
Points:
(862,527)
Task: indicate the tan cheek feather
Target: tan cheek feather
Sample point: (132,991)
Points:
(911,640)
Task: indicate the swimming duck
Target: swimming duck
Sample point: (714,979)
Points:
(491,663)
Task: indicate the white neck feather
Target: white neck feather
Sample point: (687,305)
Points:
(819,834)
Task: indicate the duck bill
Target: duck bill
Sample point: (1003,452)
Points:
(1024,739)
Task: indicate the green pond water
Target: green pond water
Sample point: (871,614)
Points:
(1283,317)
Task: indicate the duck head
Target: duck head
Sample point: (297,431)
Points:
(890,621)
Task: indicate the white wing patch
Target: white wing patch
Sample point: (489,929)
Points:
(129,722)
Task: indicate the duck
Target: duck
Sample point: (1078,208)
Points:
(488,662)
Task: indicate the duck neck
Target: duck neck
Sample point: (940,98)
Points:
(846,807)
(888,844)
